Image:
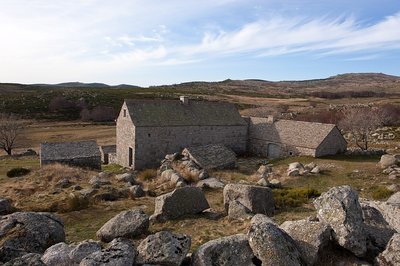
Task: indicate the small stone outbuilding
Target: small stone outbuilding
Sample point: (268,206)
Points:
(107,152)
(147,130)
(281,138)
(79,153)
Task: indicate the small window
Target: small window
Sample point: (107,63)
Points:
(149,135)
(291,153)
(124,112)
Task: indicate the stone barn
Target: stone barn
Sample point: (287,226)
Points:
(281,138)
(80,153)
(147,130)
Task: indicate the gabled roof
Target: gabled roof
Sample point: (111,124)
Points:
(175,113)
(298,133)
(69,150)
(212,156)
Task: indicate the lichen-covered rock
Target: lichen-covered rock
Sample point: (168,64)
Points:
(311,237)
(28,232)
(257,199)
(120,253)
(272,245)
(5,206)
(57,255)
(136,191)
(394,199)
(391,255)
(82,250)
(378,230)
(231,250)
(164,248)
(127,177)
(211,182)
(390,212)
(181,201)
(339,207)
(30,259)
(126,224)
(238,211)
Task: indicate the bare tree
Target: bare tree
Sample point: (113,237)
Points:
(361,122)
(10,130)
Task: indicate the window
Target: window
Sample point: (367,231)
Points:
(149,135)
(124,112)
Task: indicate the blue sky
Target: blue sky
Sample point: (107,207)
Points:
(171,41)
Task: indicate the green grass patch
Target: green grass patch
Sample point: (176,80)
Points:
(293,197)
(113,168)
(380,193)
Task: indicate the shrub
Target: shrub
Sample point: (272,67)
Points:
(379,193)
(147,174)
(16,172)
(75,203)
(293,197)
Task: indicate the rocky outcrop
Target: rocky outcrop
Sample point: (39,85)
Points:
(257,199)
(272,245)
(5,206)
(180,202)
(390,212)
(28,232)
(30,259)
(339,207)
(231,250)
(120,253)
(391,255)
(311,237)
(164,248)
(127,224)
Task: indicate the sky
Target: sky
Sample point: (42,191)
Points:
(154,42)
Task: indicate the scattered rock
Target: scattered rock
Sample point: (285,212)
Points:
(98,182)
(136,191)
(63,183)
(311,237)
(30,259)
(88,192)
(5,206)
(57,254)
(394,187)
(339,207)
(316,170)
(127,177)
(238,211)
(263,182)
(28,232)
(231,250)
(310,166)
(119,253)
(203,174)
(181,201)
(257,199)
(293,172)
(275,183)
(394,199)
(126,224)
(264,170)
(296,165)
(387,160)
(272,245)
(211,182)
(164,248)
(391,255)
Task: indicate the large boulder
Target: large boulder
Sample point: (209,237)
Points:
(377,229)
(28,232)
(231,250)
(120,253)
(30,259)
(57,255)
(181,201)
(391,255)
(311,237)
(257,199)
(5,206)
(387,160)
(339,207)
(237,211)
(127,224)
(164,248)
(272,245)
(82,250)
(390,212)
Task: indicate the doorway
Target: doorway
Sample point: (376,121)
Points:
(130,157)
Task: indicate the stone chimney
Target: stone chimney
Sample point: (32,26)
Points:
(271,119)
(184,100)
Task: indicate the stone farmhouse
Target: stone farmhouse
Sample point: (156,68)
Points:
(80,153)
(147,130)
(275,139)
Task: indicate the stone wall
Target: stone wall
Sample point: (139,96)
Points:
(333,144)
(125,137)
(88,162)
(153,143)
